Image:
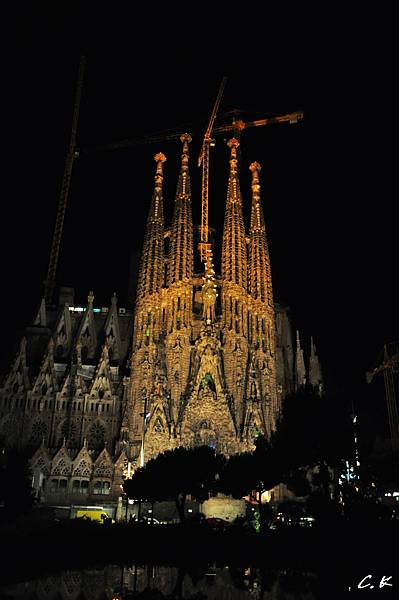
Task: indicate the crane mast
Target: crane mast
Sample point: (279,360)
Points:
(49,283)
(204,246)
(390,368)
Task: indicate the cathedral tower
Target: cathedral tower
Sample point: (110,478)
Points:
(93,390)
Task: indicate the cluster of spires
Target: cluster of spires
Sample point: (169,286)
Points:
(248,270)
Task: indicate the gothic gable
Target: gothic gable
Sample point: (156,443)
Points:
(103,466)
(61,463)
(63,333)
(40,317)
(102,385)
(87,336)
(46,380)
(41,461)
(17,380)
(82,464)
(111,330)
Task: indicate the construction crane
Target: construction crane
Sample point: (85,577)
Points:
(239,125)
(390,367)
(236,127)
(174,134)
(49,283)
(204,246)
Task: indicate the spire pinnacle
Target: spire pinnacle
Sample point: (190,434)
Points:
(185,139)
(22,344)
(260,282)
(315,374)
(233,145)
(159,159)
(234,252)
(300,371)
(184,182)
(151,271)
(257,221)
(180,265)
(78,350)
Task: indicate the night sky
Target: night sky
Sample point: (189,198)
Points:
(327,182)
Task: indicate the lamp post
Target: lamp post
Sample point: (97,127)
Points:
(142,459)
(127,506)
(125,477)
(145,415)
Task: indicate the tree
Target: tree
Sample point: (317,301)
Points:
(313,432)
(247,473)
(15,483)
(239,478)
(175,474)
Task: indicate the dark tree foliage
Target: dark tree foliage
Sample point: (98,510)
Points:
(239,477)
(15,483)
(313,435)
(311,428)
(250,473)
(313,431)
(175,474)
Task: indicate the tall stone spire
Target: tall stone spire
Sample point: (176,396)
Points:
(234,252)
(300,372)
(181,241)
(260,282)
(151,271)
(315,376)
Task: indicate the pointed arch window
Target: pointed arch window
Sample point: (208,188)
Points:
(102,488)
(80,486)
(208,380)
(58,484)
(159,426)
(84,354)
(62,468)
(96,436)
(110,354)
(38,433)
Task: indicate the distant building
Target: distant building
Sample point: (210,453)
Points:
(203,359)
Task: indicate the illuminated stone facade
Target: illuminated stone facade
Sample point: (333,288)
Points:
(209,375)
(203,359)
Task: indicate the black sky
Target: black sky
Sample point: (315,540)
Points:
(327,183)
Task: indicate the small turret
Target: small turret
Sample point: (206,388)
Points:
(315,376)
(300,372)
(234,252)
(151,273)
(260,281)
(181,241)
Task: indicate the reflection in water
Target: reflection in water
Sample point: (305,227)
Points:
(154,582)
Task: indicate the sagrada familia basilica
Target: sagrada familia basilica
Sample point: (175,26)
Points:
(204,358)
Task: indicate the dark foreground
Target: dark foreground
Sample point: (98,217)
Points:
(341,554)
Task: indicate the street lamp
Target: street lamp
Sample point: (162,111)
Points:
(125,477)
(145,416)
